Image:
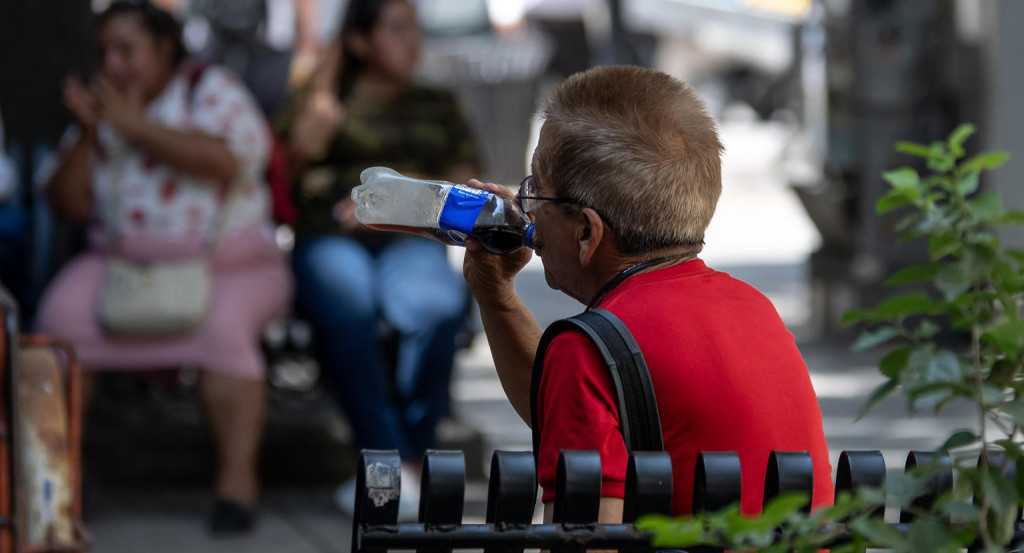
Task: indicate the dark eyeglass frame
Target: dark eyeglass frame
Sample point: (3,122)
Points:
(528,185)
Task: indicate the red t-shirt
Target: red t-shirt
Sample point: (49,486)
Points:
(726,373)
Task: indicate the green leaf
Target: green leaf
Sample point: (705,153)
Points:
(1002,501)
(908,304)
(907,222)
(781,508)
(879,534)
(925,330)
(1017,255)
(985,207)
(1012,217)
(1002,373)
(856,316)
(951,282)
(878,396)
(904,488)
(895,361)
(914,149)
(1007,335)
(958,136)
(927,396)
(968,184)
(892,201)
(941,245)
(914,273)
(1007,278)
(1014,410)
(942,366)
(940,159)
(1020,472)
(929,535)
(992,395)
(984,160)
(905,180)
(668,532)
(654,523)
(871,496)
(960,511)
(960,438)
(931,378)
(872,338)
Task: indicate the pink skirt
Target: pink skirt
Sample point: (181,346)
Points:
(251,286)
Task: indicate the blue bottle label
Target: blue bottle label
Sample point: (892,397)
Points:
(461,209)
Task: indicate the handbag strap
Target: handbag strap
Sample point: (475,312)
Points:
(193,71)
(639,421)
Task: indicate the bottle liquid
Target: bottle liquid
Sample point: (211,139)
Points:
(446,212)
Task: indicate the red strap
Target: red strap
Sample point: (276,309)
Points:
(194,71)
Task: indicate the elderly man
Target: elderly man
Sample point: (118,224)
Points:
(626,177)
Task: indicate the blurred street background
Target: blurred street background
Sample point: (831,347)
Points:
(809,95)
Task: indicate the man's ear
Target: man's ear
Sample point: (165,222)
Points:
(590,233)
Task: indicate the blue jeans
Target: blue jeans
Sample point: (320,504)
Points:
(346,289)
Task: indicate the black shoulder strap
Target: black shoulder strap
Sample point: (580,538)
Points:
(638,408)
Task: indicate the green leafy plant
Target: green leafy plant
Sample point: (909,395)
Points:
(971,285)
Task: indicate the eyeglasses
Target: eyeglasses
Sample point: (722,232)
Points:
(528,198)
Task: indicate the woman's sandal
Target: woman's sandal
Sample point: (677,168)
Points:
(230,518)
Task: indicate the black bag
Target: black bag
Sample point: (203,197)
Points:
(637,405)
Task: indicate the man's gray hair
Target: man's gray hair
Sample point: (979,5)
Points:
(639,147)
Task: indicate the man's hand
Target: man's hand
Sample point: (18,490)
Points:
(124,110)
(491,277)
(80,102)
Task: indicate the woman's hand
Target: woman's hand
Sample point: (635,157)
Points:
(345,214)
(124,110)
(491,277)
(316,124)
(80,102)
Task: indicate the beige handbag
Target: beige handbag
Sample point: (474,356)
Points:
(155,300)
(160,299)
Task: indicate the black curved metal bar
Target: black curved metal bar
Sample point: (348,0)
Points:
(789,471)
(717,481)
(648,485)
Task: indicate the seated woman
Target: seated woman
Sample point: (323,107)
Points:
(366,111)
(167,162)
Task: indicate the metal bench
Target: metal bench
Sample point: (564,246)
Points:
(512,496)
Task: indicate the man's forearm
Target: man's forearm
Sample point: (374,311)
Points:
(513,336)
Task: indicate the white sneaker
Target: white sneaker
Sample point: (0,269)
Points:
(408,500)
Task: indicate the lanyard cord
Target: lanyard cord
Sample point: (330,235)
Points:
(628,272)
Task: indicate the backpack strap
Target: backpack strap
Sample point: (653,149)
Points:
(639,421)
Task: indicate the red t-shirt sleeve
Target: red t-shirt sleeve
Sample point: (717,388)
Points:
(577,410)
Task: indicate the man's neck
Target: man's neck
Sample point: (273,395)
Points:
(616,263)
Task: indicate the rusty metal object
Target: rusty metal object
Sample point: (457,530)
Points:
(40,442)
(43,461)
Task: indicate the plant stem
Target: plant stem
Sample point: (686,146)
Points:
(979,381)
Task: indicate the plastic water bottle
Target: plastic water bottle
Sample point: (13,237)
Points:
(446,212)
